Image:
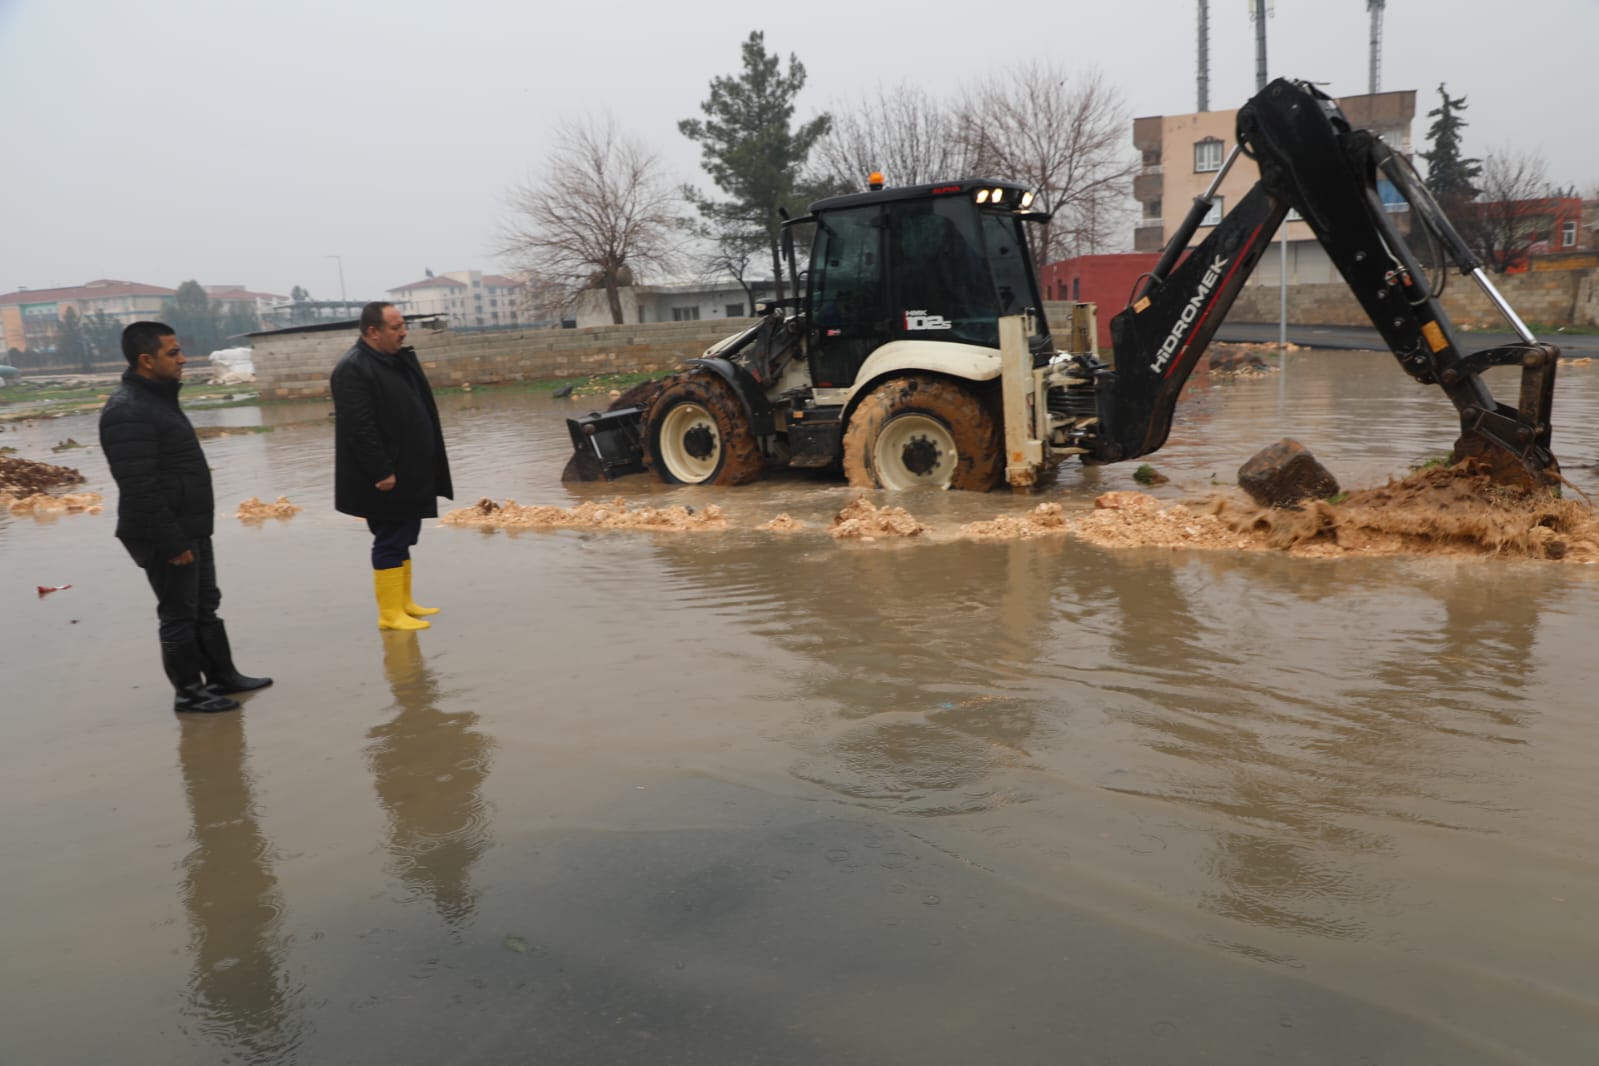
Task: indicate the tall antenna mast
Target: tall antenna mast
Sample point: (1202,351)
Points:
(1374,82)
(1258,11)
(1204,55)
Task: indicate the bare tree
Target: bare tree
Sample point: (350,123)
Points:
(1512,211)
(603,215)
(901,131)
(1068,137)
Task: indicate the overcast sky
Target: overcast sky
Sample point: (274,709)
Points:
(250,141)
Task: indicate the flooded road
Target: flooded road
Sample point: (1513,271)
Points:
(738,797)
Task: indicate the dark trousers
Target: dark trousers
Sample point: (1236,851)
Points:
(185,595)
(392,540)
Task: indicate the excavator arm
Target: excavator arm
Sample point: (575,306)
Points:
(1312,161)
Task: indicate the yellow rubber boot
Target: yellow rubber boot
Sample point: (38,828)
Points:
(390,588)
(412,608)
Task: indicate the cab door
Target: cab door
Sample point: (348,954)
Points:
(847,314)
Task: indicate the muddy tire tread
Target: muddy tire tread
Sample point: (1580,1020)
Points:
(974,428)
(742,461)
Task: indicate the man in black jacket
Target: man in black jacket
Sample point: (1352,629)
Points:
(389,465)
(164,517)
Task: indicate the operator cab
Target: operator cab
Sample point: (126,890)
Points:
(927,262)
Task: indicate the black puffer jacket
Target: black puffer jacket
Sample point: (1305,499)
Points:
(164,499)
(386,423)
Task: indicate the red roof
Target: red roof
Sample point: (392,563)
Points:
(439,282)
(103,288)
(501,281)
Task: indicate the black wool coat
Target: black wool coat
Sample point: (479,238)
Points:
(386,422)
(164,496)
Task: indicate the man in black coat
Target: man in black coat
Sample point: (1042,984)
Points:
(389,465)
(165,519)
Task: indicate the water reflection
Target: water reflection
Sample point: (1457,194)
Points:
(429,767)
(237,987)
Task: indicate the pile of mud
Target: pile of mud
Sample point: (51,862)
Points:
(1045,520)
(254,510)
(42,503)
(782,523)
(1440,512)
(1443,511)
(1136,520)
(487,514)
(860,520)
(24,477)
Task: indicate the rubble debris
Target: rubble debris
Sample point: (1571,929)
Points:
(783,523)
(254,510)
(1045,520)
(861,520)
(23,477)
(1284,474)
(487,514)
(65,445)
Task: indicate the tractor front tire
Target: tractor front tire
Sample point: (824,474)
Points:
(696,433)
(916,432)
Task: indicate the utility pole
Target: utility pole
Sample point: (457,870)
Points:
(1204,55)
(1258,13)
(340,258)
(1374,81)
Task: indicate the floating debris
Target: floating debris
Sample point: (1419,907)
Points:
(253,510)
(487,514)
(1045,520)
(861,520)
(44,504)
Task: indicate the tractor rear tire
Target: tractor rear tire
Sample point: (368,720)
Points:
(915,432)
(696,433)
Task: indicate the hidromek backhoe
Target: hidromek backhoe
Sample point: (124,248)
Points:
(917,353)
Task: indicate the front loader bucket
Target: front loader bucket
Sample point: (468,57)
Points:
(606,445)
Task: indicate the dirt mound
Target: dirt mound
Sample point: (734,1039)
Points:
(487,514)
(254,510)
(1134,520)
(42,503)
(860,520)
(23,477)
(781,524)
(1045,520)
(1442,511)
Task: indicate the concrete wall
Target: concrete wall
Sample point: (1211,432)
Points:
(1547,298)
(296,365)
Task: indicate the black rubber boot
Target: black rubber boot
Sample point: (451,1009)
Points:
(182,664)
(217,661)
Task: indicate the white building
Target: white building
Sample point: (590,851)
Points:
(685,302)
(470,299)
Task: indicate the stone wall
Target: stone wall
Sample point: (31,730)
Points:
(1547,298)
(296,365)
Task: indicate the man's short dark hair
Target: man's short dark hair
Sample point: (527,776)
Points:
(144,338)
(372,315)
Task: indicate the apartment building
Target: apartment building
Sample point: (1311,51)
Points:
(1183,153)
(30,319)
(469,298)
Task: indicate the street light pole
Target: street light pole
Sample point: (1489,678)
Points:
(340,259)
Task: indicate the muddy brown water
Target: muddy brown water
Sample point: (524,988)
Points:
(739,796)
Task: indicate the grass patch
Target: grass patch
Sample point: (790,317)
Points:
(1437,462)
(596,383)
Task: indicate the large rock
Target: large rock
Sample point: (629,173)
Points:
(1284,474)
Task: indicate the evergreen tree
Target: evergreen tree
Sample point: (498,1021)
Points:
(193,318)
(71,346)
(753,152)
(103,333)
(1449,176)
